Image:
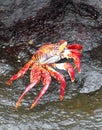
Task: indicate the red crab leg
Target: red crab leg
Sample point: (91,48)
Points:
(35,78)
(21,72)
(66,66)
(60,79)
(46,79)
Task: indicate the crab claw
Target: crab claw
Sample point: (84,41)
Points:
(75,46)
(74,52)
(75,55)
(67,67)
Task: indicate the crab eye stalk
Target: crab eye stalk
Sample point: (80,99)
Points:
(62,46)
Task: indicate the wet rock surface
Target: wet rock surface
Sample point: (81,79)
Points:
(52,21)
(26,25)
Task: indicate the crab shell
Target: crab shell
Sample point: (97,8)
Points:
(43,64)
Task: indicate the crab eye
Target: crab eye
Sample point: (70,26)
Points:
(63,45)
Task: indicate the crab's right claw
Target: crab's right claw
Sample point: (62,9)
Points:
(75,46)
(74,52)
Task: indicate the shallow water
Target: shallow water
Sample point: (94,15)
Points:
(82,111)
(74,22)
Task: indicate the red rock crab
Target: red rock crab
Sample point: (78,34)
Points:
(43,64)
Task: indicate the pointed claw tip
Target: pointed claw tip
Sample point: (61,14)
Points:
(17,104)
(79,71)
(9,82)
(61,98)
(72,80)
(32,106)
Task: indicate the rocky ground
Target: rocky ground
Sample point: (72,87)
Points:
(50,21)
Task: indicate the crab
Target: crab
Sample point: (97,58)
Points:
(43,66)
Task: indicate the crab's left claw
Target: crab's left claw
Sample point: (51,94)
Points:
(74,52)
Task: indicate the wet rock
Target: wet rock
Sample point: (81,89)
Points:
(91,77)
(51,21)
(92,81)
(5,69)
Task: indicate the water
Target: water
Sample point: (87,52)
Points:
(79,112)
(82,106)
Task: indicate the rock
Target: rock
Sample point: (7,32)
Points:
(92,81)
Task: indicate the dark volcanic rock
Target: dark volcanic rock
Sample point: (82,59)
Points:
(51,21)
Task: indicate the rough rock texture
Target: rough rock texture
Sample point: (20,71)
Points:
(50,21)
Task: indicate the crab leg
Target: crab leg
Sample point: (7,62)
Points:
(21,72)
(46,79)
(66,66)
(35,78)
(60,79)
